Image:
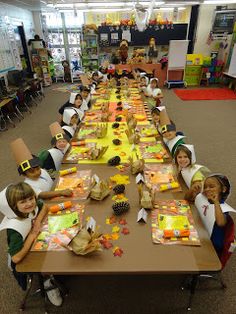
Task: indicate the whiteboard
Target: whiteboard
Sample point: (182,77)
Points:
(177,54)
(232,66)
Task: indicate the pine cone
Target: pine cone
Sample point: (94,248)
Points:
(116,141)
(119,108)
(115,125)
(120,207)
(118,119)
(114,161)
(119,189)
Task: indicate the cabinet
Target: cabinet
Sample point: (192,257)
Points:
(192,74)
(212,74)
(41,66)
(89,51)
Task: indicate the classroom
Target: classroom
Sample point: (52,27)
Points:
(117,159)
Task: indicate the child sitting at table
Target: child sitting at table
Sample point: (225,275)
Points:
(23,215)
(70,118)
(60,145)
(154,92)
(75,101)
(103,73)
(143,83)
(36,177)
(171,138)
(185,159)
(213,210)
(155,114)
(95,81)
(86,103)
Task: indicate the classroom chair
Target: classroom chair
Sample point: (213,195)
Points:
(229,240)
(36,91)
(41,290)
(3,122)
(7,113)
(22,102)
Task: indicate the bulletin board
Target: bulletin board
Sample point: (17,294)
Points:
(177,54)
(9,54)
(163,34)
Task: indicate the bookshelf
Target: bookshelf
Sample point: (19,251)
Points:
(89,51)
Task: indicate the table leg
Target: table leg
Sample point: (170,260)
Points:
(29,287)
(3,123)
(193,285)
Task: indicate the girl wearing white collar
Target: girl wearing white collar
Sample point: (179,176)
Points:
(74,102)
(185,159)
(155,113)
(213,210)
(23,215)
(19,207)
(143,83)
(154,92)
(70,118)
(85,93)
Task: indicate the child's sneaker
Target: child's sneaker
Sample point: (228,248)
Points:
(54,295)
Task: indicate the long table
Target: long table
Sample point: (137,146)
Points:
(141,256)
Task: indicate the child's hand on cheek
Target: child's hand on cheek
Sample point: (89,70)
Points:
(213,197)
(196,187)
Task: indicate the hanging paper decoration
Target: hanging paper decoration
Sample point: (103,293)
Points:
(142,15)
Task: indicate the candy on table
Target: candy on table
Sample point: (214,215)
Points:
(60,206)
(67,171)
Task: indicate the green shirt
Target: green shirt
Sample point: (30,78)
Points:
(14,238)
(15,241)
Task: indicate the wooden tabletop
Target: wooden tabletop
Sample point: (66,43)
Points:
(141,255)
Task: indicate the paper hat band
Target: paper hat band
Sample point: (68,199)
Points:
(168,128)
(28,164)
(59,136)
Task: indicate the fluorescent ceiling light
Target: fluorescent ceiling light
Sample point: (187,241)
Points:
(148,2)
(165,9)
(219,1)
(104,10)
(108,4)
(61,5)
(95,10)
(170,9)
(182,3)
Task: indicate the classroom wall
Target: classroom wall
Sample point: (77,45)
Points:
(37,23)
(19,15)
(204,25)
